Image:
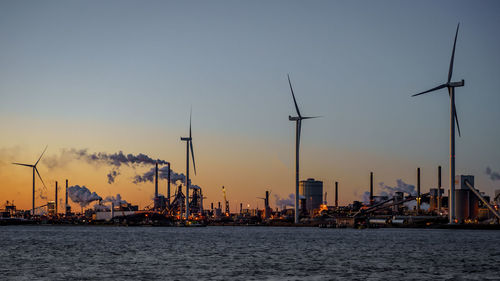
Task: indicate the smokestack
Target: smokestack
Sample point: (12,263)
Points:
(371,188)
(112,209)
(212,206)
(168,185)
(219,205)
(66,204)
(336,194)
(266,203)
(156,181)
(55,213)
(418,190)
(439,190)
(241,208)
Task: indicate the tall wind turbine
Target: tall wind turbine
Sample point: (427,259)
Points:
(189,147)
(453,118)
(34,170)
(298,121)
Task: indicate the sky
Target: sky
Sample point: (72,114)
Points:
(110,76)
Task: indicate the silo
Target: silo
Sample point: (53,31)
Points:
(312,191)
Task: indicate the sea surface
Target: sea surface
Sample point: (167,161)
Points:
(246,253)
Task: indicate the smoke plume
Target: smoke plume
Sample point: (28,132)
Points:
(116,159)
(115,200)
(290,201)
(401,186)
(112,175)
(82,195)
(494,176)
(162,174)
(389,191)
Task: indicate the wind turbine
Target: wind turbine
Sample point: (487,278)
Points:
(34,170)
(189,146)
(298,121)
(453,118)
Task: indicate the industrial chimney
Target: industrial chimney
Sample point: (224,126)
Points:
(336,194)
(439,190)
(66,203)
(55,212)
(418,190)
(156,180)
(168,185)
(371,188)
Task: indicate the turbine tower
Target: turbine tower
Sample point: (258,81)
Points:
(453,118)
(189,147)
(298,121)
(34,170)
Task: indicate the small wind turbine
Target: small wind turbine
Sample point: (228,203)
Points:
(189,147)
(453,118)
(298,121)
(34,170)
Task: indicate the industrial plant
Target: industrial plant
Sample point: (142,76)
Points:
(461,205)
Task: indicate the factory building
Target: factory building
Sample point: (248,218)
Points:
(312,191)
(468,206)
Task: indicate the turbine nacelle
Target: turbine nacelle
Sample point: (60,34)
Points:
(457,84)
(294,118)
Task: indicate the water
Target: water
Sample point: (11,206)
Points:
(246,253)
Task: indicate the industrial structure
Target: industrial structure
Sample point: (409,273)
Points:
(312,192)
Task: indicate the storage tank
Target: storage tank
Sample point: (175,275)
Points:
(312,191)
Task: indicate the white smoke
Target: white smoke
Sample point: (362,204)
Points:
(290,201)
(401,186)
(115,200)
(82,195)
(389,191)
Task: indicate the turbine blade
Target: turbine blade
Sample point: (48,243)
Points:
(192,155)
(456,119)
(41,155)
(455,113)
(293,96)
(433,89)
(40,177)
(450,72)
(27,165)
(312,117)
(190,113)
